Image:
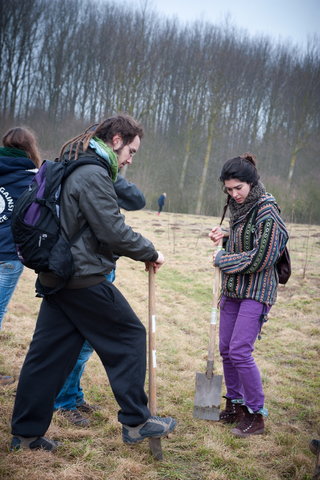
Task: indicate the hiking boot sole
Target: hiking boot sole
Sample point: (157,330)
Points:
(132,441)
(238,433)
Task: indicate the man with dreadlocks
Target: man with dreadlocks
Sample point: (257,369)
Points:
(89,307)
(70,402)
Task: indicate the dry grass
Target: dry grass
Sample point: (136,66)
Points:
(288,356)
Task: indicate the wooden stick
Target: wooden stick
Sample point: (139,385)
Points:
(154,443)
(214,314)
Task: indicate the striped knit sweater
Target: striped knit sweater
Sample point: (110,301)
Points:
(249,263)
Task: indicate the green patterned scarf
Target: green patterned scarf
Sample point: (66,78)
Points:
(107,153)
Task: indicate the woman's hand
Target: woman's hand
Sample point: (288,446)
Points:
(216,235)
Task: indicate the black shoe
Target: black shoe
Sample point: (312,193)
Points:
(33,443)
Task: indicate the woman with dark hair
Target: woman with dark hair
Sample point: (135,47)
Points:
(18,158)
(256,239)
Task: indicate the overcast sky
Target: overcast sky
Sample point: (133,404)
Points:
(282,20)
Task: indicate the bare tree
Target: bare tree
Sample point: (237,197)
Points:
(204,92)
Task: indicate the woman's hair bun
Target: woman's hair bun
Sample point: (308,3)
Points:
(250,157)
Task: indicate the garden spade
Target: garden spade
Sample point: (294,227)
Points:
(154,443)
(208,386)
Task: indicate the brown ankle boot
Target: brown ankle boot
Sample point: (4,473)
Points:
(251,424)
(232,413)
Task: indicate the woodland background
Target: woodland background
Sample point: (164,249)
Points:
(204,93)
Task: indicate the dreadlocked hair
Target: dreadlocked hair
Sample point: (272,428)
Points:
(79,141)
(124,125)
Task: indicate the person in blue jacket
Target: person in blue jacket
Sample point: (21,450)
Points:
(70,401)
(161,202)
(19,158)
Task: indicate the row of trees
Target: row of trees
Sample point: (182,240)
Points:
(204,93)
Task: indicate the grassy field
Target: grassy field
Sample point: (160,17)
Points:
(287,354)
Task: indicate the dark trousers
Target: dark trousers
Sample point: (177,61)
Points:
(101,315)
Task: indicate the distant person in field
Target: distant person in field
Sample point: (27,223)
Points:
(256,239)
(19,158)
(161,202)
(70,402)
(90,307)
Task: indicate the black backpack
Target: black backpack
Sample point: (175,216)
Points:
(284,266)
(35,221)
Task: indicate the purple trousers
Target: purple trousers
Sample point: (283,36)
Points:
(240,324)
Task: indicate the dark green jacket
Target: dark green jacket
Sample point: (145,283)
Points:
(89,204)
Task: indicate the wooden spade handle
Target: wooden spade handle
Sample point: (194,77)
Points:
(152,345)
(214,316)
(154,443)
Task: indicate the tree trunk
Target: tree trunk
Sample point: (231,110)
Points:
(185,162)
(206,164)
